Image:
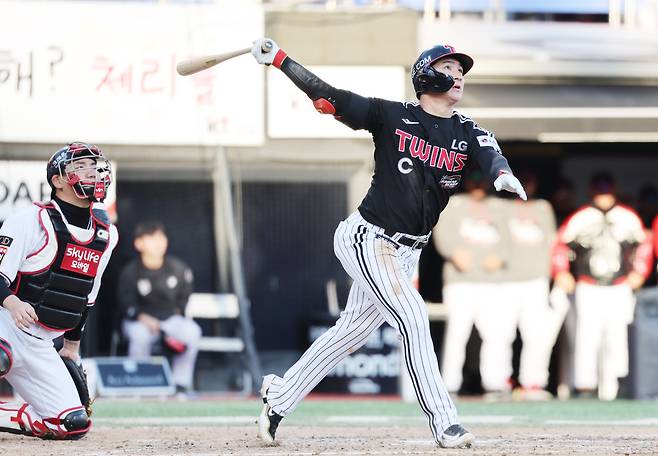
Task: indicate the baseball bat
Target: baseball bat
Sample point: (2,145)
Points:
(191,66)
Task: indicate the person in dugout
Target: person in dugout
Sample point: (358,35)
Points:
(153,292)
(603,255)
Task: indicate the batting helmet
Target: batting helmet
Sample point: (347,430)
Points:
(89,182)
(427,79)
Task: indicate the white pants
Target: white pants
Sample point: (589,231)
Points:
(539,324)
(462,300)
(39,376)
(603,314)
(382,291)
(140,341)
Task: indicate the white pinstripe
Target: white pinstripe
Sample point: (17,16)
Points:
(382,291)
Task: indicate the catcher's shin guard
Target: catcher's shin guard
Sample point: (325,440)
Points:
(71,424)
(6,358)
(16,420)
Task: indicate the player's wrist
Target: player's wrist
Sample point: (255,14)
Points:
(279,57)
(10,302)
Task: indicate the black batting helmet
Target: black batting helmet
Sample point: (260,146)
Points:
(427,79)
(88,182)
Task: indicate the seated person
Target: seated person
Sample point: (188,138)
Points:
(153,292)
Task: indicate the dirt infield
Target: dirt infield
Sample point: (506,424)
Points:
(343,440)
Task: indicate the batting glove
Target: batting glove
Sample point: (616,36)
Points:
(511,184)
(266,51)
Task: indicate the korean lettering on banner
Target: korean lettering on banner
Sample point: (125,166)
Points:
(18,69)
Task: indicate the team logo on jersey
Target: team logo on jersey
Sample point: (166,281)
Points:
(489,141)
(81,260)
(438,157)
(410,122)
(144,287)
(450,182)
(5,242)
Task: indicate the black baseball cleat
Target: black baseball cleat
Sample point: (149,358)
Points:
(268,420)
(456,437)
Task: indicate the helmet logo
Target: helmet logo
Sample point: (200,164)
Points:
(421,63)
(449,48)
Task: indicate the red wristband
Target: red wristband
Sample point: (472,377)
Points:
(279,57)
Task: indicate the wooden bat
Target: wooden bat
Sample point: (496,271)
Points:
(191,66)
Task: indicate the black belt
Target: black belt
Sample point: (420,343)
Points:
(406,240)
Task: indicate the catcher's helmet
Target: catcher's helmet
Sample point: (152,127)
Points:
(427,79)
(89,182)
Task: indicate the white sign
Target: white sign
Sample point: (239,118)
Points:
(106,71)
(24,182)
(290,113)
(21,183)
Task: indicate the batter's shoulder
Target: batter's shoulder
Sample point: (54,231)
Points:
(470,124)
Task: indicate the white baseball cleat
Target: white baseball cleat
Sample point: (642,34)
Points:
(456,437)
(268,420)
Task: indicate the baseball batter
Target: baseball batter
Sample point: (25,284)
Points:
(52,257)
(421,150)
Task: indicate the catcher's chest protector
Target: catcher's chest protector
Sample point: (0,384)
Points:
(59,291)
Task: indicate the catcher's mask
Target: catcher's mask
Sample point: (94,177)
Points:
(84,167)
(426,79)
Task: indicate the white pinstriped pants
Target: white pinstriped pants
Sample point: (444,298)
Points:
(382,291)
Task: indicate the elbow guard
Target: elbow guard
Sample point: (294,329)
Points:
(324,106)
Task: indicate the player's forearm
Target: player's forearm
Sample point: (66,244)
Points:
(5,292)
(493,164)
(74,335)
(312,85)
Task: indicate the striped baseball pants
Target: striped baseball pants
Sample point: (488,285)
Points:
(382,291)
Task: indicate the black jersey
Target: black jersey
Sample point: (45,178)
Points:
(419,162)
(419,158)
(159,293)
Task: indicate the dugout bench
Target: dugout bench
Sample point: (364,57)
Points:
(214,308)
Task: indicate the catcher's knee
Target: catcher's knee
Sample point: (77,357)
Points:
(6,359)
(75,425)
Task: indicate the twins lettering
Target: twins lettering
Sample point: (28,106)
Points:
(439,157)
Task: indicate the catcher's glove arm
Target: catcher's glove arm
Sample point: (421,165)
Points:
(80,380)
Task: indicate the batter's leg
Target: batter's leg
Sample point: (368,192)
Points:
(373,263)
(359,319)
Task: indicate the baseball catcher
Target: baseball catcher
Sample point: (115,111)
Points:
(52,258)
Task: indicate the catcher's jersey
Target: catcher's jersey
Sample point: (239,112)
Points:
(27,244)
(419,161)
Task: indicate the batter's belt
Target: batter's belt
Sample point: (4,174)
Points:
(403,239)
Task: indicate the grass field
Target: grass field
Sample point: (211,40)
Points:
(328,410)
(331,426)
